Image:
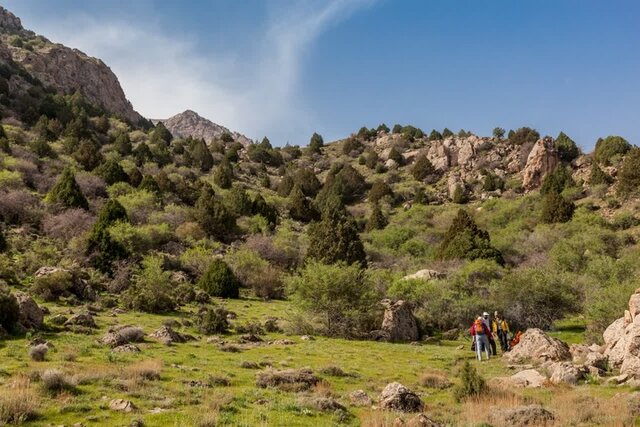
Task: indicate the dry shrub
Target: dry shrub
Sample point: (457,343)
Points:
(190,231)
(123,271)
(257,273)
(18,402)
(147,370)
(572,406)
(218,381)
(217,400)
(266,249)
(19,207)
(55,381)
(335,371)
(435,379)
(129,334)
(288,380)
(68,224)
(323,389)
(38,352)
(476,410)
(92,186)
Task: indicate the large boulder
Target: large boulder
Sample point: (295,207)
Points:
(622,340)
(168,336)
(538,347)
(531,415)
(31,316)
(543,159)
(81,319)
(397,397)
(398,323)
(529,378)
(565,373)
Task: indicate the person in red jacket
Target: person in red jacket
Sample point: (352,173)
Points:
(481,335)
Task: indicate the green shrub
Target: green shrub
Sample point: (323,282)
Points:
(52,286)
(122,144)
(471,383)
(377,220)
(112,172)
(378,190)
(88,154)
(422,168)
(300,208)
(567,148)
(523,135)
(396,156)
(339,297)
(3,241)
(212,215)
(459,196)
(557,181)
(285,185)
(492,182)
(555,208)
(67,192)
(140,238)
(151,290)
(257,274)
(465,240)
(344,181)
(238,202)
(316,143)
(598,176)
(629,176)
(610,147)
(219,281)
(212,320)
(307,180)
(223,175)
(498,132)
(9,309)
(372,159)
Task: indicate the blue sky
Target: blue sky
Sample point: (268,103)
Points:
(287,68)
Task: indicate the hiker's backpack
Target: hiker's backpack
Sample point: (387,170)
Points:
(479,327)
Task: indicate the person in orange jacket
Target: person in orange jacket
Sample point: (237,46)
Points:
(481,334)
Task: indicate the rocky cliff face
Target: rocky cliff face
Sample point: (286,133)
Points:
(65,69)
(190,123)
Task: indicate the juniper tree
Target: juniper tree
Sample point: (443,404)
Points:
(223,175)
(316,143)
(465,240)
(377,220)
(567,148)
(300,207)
(556,208)
(101,246)
(422,168)
(112,172)
(67,192)
(212,215)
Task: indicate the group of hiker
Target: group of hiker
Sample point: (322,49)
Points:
(484,332)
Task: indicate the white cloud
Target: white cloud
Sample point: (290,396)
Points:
(163,74)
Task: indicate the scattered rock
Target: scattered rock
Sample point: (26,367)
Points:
(249,338)
(81,319)
(532,415)
(122,335)
(529,378)
(425,274)
(288,380)
(397,397)
(31,316)
(536,346)
(121,405)
(307,338)
(398,323)
(325,404)
(58,319)
(282,342)
(421,420)
(565,372)
(168,336)
(126,348)
(360,398)
(249,365)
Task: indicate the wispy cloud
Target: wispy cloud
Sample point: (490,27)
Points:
(162,74)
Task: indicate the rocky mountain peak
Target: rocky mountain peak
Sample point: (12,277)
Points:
(190,123)
(9,22)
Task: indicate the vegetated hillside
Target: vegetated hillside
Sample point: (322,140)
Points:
(189,123)
(108,223)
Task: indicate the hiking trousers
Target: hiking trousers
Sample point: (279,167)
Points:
(504,341)
(482,344)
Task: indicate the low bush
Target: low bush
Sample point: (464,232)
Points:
(219,281)
(212,320)
(19,403)
(38,353)
(151,290)
(471,383)
(9,309)
(54,381)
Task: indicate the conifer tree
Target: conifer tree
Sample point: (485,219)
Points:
(102,248)
(316,143)
(201,156)
(377,220)
(300,207)
(555,208)
(465,240)
(422,168)
(67,192)
(112,172)
(223,175)
(212,215)
(598,176)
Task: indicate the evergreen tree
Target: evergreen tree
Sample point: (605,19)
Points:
(396,156)
(446,133)
(567,148)
(300,207)
(88,154)
(212,215)
(223,175)
(459,195)
(465,240)
(201,156)
(142,153)
(335,238)
(435,135)
(557,181)
(160,134)
(150,184)
(135,177)
(307,180)
(397,128)
(383,128)
(629,176)
(422,168)
(102,248)
(3,241)
(259,206)
(67,192)
(523,135)
(372,159)
(285,185)
(498,133)
(316,143)
(610,147)
(377,220)
(378,190)
(112,172)
(122,144)
(226,137)
(219,281)
(556,208)
(238,202)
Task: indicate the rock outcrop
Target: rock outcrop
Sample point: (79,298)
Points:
(538,347)
(542,160)
(398,323)
(622,340)
(397,397)
(190,123)
(425,274)
(68,70)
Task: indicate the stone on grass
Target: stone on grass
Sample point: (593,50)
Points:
(325,404)
(31,315)
(398,323)
(360,398)
(167,336)
(397,397)
(126,348)
(81,319)
(538,347)
(121,405)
